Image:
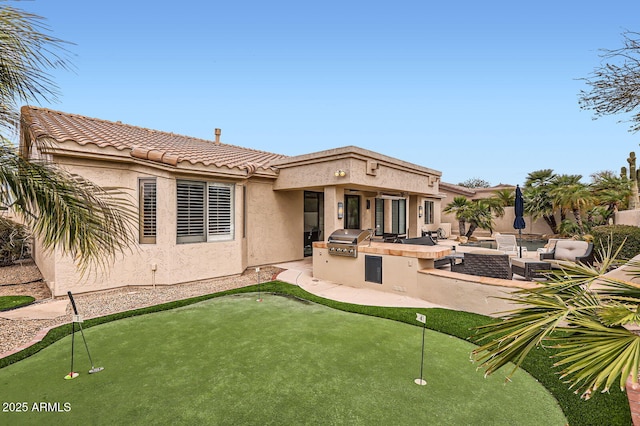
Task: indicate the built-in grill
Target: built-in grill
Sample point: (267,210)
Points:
(344,242)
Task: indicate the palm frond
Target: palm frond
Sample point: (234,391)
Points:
(593,354)
(584,313)
(520,331)
(90,223)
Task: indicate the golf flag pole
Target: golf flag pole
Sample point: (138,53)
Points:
(259,292)
(423,319)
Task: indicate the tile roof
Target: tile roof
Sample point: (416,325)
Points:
(457,188)
(147,144)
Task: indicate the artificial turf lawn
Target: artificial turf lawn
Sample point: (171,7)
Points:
(232,360)
(13,302)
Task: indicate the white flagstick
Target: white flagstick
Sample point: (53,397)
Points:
(259,295)
(423,319)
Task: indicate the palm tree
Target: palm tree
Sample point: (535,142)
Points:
(458,206)
(478,214)
(590,318)
(610,191)
(505,197)
(27,53)
(569,194)
(90,223)
(538,201)
(540,178)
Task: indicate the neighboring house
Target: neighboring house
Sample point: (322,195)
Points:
(208,209)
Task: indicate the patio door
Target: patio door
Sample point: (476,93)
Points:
(313,220)
(397,208)
(352,212)
(399,217)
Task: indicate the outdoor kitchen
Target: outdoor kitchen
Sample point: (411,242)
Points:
(351,257)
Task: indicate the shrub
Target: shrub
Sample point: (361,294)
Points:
(14,241)
(617,235)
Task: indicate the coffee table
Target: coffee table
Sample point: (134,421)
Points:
(455,259)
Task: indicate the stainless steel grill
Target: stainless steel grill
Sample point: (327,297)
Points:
(344,242)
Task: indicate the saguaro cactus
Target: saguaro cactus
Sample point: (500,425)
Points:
(634,202)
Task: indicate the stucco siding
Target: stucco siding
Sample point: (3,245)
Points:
(481,295)
(358,173)
(45,259)
(166,261)
(628,217)
(275,224)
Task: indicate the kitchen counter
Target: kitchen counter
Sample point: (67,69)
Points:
(395,249)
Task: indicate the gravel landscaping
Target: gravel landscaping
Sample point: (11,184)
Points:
(25,279)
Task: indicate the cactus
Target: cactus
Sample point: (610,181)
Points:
(634,202)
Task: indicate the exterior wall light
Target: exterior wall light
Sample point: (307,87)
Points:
(340,173)
(340,210)
(420,211)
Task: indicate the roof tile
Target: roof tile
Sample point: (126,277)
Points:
(153,145)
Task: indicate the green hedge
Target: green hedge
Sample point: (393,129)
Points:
(617,234)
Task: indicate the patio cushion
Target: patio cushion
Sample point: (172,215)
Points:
(570,249)
(425,241)
(487,251)
(519,261)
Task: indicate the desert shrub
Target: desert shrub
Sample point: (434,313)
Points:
(617,234)
(14,241)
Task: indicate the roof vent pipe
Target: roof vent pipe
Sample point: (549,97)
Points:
(217,133)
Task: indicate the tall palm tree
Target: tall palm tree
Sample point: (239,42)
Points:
(538,201)
(27,53)
(90,223)
(540,178)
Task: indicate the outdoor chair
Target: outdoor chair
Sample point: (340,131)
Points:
(551,244)
(426,241)
(571,251)
(508,244)
(485,263)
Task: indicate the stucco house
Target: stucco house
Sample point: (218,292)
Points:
(208,209)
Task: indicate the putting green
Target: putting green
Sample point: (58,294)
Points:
(232,360)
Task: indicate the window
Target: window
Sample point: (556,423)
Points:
(399,216)
(204,212)
(352,217)
(190,212)
(220,213)
(379,216)
(147,205)
(428,212)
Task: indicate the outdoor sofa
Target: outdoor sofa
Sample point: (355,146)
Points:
(561,251)
(485,263)
(571,251)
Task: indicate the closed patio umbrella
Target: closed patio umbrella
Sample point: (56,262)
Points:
(519,223)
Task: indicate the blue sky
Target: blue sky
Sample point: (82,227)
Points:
(474,89)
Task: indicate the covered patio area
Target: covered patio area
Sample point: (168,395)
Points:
(353,188)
